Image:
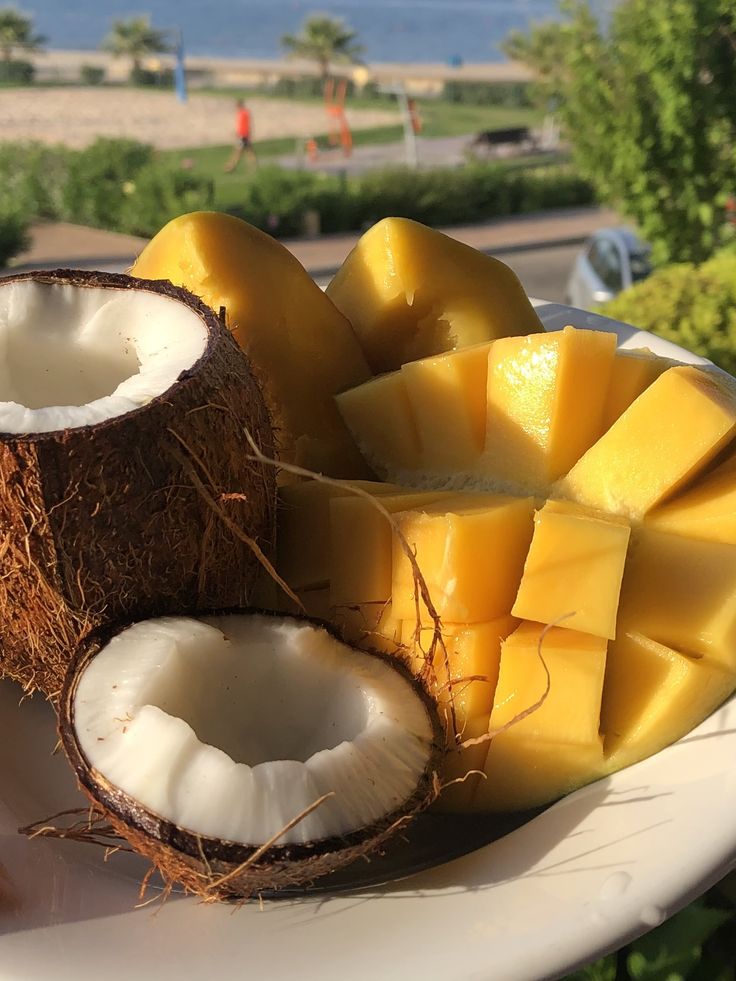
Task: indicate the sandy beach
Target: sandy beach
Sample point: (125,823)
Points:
(76,116)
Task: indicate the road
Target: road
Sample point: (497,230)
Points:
(543,272)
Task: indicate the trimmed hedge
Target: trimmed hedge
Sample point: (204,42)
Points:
(278,200)
(694,306)
(14,222)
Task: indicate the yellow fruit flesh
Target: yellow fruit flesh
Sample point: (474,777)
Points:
(573,570)
(665,438)
(471,551)
(544,404)
(410,292)
(302,348)
(677,594)
(632,373)
(707,510)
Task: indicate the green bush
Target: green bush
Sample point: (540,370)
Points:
(694,306)
(94,192)
(277,200)
(158,193)
(163,79)
(16,72)
(34,175)
(91,75)
(515,95)
(14,222)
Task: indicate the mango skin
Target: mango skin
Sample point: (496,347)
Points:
(411,292)
(301,347)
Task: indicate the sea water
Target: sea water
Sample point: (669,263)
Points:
(444,31)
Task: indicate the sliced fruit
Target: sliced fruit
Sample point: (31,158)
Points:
(302,349)
(471,551)
(682,593)
(545,404)
(653,695)
(246,752)
(633,372)
(707,510)
(574,569)
(410,292)
(664,439)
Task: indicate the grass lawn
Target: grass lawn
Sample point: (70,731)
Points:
(439,118)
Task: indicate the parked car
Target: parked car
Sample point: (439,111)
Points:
(611,260)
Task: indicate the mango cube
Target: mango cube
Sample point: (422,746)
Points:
(361,551)
(545,404)
(707,510)
(666,437)
(570,712)
(575,566)
(370,625)
(410,291)
(653,695)
(380,418)
(681,593)
(448,397)
(471,551)
(633,372)
(302,545)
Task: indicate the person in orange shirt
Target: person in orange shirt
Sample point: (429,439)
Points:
(243,144)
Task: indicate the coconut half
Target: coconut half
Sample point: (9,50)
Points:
(125,483)
(208,742)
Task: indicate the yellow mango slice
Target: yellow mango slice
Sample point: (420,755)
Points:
(470,549)
(545,404)
(633,371)
(707,510)
(654,695)
(369,625)
(448,397)
(411,292)
(380,417)
(463,681)
(574,569)
(302,348)
(361,546)
(556,747)
(665,438)
(302,543)
(681,593)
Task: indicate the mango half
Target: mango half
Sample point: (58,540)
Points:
(410,291)
(582,560)
(302,349)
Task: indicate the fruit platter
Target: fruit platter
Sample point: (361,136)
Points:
(376,631)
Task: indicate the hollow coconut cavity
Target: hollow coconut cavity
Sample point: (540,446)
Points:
(125,483)
(208,742)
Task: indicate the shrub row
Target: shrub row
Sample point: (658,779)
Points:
(120,185)
(694,306)
(279,200)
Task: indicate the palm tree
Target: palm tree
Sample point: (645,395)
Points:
(324,39)
(16,31)
(135,38)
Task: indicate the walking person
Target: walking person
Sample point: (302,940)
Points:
(243,144)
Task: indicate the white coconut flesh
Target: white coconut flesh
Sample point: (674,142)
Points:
(230,727)
(75,356)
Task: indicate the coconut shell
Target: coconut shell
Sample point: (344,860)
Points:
(148,512)
(224,870)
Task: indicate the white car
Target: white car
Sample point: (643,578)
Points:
(611,260)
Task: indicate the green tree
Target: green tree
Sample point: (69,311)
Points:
(16,31)
(647,102)
(325,40)
(135,38)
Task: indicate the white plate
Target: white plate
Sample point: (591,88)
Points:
(598,868)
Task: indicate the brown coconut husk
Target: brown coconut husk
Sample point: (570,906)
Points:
(211,868)
(150,512)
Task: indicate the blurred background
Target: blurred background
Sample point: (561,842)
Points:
(590,144)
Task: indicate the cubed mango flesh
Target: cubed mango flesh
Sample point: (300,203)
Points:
(544,404)
(302,348)
(573,571)
(651,696)
(707,510)
(410,291)
(471,551)
(447,393)
(665,438)
(633,372)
